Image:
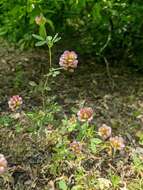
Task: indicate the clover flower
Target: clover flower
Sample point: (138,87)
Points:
(76,147)
(3,164)
(117,143)
(104,131)
(85,114)
(40,20)
(15,102)
(68,60)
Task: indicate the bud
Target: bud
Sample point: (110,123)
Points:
(40,20)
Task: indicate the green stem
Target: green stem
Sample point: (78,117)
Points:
(50,57)
(114,152)
(44,89)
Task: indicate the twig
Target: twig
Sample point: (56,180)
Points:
(112,83)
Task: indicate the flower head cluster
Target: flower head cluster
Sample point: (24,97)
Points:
(3,164)
(117,143)
(40,20)
(76,147)
(104,131)
(15,102)
(68,60)
(85,114)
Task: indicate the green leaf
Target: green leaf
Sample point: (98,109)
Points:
(3,31)
(77,187)
(5,120)
(40,43)
(56,35)
(96,12)
(32,83)
(93,143)
(62,185)
(96,141)
(56,38)
(50,24)
(38,37)
(42,31)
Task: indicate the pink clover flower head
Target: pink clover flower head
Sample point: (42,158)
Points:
(76,147)
(85,114)
(3,164)
(104,131)
(40,20)
(15,102)
(117,143)
(68,60)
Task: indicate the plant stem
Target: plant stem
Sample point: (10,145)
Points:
(109,74)
(50,57)
(43,91)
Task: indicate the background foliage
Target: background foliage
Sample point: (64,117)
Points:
(113,28)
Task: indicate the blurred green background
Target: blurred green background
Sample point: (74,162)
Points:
(110,28)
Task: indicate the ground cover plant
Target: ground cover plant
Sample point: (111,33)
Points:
(68,145)
(67,123)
